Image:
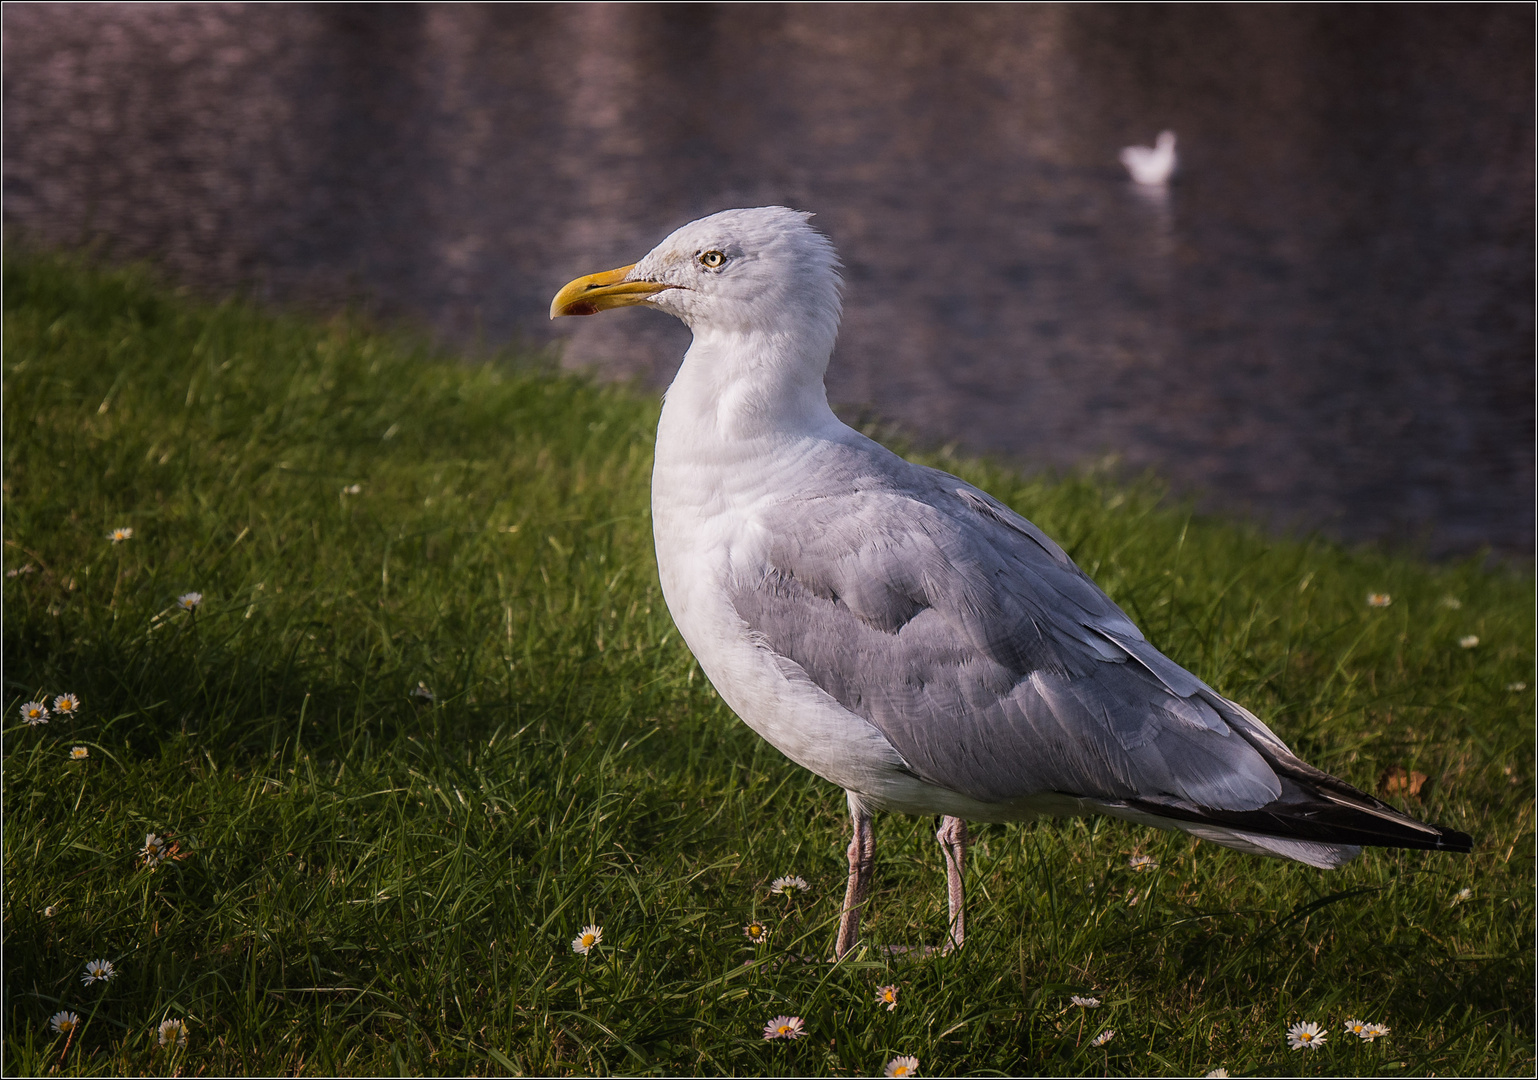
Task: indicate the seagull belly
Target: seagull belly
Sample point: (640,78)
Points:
(775,697)
(704,540)
(794,716)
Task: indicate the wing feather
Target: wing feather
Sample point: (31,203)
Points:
(975,645)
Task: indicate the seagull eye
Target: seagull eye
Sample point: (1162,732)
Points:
(713,259)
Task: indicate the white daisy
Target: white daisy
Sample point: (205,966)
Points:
(66,704)
(173,1032)
(887,995)
(1374,1031)
(64,1021)
(1463,894)
(788,885)
(189,601)
(78,753)
(1219,1073)
(1085,1002)
(784,1027)
(1379,599)
(1104,1037)
(1305,1035)
(1468,641)
(34,713)
(155,850)
(118,535)
(1355,1027)
(422,693)
(902,1066)
(353,489)
(756,932)
(1142,863)
(1516,687)
(98,971)
(583,943)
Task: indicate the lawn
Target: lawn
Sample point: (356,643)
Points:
(430,718)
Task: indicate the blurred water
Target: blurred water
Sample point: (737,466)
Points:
(1327,322)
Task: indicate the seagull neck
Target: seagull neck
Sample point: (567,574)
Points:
(746,386)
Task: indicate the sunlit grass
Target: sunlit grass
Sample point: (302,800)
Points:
(367,881)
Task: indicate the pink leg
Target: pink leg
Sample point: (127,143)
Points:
(952,835)
(862,864)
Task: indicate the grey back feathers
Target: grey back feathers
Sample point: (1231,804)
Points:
(999,670)
(987,658)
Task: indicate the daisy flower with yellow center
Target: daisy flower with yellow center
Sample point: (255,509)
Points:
(1463,894)
(788,885)
(1305,1035)
(66,704)
(887,995)
(117,536)
(1104,1037)
(784,1027)
(902,1066)
(64,1021)
(1142,863)
(1374,1031)
(173,1032)
(1355,1027)
(1379,599)
(189,601)
(1219,1073)
(756,932)
(584,942)
(1085,1002)
(98,971)
(34,713)
(78,753)
(155,849)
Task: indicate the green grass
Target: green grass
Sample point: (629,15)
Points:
(368,883)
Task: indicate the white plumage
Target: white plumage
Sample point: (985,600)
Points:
(899,632)
(1151,166)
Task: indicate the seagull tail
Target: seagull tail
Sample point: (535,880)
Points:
(1316,811)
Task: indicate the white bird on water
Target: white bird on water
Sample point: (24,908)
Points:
(898,631)
(1151,166)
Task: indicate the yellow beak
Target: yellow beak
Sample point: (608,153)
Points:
(598,292)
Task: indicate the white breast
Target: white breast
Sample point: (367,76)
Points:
(709,535)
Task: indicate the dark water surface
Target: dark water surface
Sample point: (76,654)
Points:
(1328,321)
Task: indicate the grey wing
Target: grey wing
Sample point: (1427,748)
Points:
(984,655)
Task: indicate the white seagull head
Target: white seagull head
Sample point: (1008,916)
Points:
(764,270)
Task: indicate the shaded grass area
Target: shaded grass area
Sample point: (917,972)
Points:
(366,881)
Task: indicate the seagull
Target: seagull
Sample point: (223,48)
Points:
(1151,167)
(903,634)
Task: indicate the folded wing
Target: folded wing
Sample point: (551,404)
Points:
(999,670)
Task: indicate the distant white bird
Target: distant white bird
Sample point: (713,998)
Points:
(898,631)
(1151,167)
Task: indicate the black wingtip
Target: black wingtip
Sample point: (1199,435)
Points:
(1452,840)
(1320,821)
(1323,808)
